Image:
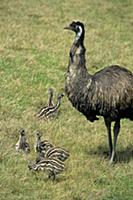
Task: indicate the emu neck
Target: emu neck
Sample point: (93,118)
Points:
(38,140)
(77,76)
(77,53)
(57,104)
(22,139)
(37,143)
(79,39)
(50,100)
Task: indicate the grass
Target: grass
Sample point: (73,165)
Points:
(34,51)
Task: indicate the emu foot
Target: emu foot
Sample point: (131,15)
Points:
(51,176)
(112,159)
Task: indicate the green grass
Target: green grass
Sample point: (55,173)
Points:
(34,51)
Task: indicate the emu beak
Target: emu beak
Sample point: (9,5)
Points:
(67,27)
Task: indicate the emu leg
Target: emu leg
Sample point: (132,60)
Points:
(108,126)
(51,176)
(116,132)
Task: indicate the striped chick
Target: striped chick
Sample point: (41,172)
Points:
(54,152)
(53,110)
(57,152)
(41,146)
(22,145)
(50,165)
(50,104)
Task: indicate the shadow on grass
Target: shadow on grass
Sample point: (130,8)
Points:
(122,156)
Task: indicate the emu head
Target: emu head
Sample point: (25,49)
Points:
(78,28)
(50,91)
(38,134)
(60,96)
(22,132)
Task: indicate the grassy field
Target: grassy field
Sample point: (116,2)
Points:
(34,51)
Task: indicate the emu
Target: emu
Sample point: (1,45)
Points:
(22,145)
(53,110)
(58,153)
(51,165)
(41,146)
(50,111)
(107,93)
(54,152)
(45,109)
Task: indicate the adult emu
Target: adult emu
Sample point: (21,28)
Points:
(107,93)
